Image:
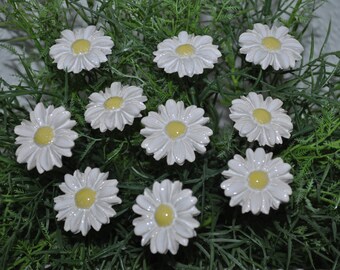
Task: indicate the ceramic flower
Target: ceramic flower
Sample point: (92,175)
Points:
(82,48)
(270,47)
(166,216)
(257,182)
(186,54)
(175,132)
(46,138)
(87,201)
(261,120)
(115,108)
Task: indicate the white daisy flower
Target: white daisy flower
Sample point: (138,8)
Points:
(166,216)
(274,47)
(87,201)
(115,108)
(46,138)
(82,48)
(257,182)
(186,54)
(261,120)
(175,132)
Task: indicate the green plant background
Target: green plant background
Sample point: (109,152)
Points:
(303,233)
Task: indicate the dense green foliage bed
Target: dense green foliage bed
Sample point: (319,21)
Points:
(302,233)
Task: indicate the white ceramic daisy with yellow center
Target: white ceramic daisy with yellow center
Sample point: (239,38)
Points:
(186,54)
(82,48)
(257,182)
(87,201)
(46,138)
(270,47)
(116,107)
(175,132)
(166,216)
(261,120)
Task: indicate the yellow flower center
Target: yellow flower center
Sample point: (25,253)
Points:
(271,43)
(81,46)
(85,198)
(258,180)
(113,103)
(262,116)
(185,50)
(175,129)
(44,136)
(164,215)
